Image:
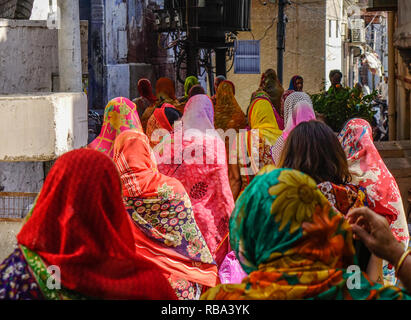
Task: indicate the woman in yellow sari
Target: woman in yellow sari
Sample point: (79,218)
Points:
(251,149)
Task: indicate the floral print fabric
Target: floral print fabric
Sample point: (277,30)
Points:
(172,224)
(369,171)
(120,115)
(293,244)
(16,280)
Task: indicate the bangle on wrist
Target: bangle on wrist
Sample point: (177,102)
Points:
(401,261)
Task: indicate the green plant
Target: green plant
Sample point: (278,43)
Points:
(338,105)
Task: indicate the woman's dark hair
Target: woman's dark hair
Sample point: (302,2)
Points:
(172,115)
(195,90)
(313,148)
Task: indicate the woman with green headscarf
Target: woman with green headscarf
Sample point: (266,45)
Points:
(294,245)
(188,84)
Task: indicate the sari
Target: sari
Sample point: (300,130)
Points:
(195,155)
(252,148)
(159,121)
(343,198)
(369,171)
(272,87)
(120,115)
(165,230)
(165,91)
(227,112)
(298,108)
(294,245)
(147,98)
(217,82)
(80,226)
(291,89)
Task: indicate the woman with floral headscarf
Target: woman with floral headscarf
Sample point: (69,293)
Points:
(165,92)
(147,98)
(195,155)
(120,115)
(293,245)
(165,230)
(298,108)
(79,229)
(369,171)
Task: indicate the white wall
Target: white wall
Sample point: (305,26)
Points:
(333,47)
(40,10)
(28,56)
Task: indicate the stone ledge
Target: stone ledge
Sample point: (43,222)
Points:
(41,127)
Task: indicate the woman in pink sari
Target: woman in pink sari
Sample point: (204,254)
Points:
(369,171)
(120,115)
(195,155)
(297,108)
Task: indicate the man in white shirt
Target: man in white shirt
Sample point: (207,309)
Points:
(383,89)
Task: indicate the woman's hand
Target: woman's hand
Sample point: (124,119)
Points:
(373,230)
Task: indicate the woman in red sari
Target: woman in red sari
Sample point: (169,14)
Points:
(147,98)
(161,123)
(79,224)
(165,230)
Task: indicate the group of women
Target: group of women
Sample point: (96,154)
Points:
(160,206)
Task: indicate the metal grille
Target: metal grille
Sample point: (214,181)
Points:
(15,205)
(247,57)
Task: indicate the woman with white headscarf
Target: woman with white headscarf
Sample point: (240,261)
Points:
(297,108)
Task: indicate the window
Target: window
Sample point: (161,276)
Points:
(247,57)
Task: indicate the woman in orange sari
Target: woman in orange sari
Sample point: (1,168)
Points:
(165,230)
(227,112)
(165,92)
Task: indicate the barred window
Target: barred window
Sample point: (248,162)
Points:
(247,57)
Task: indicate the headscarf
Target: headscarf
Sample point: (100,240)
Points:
(291,89)
(217,82)
(165,230)
(262,117)
(271,85)
(165,89)
(195,155)
(145,90)
(146,99)
(158,121)
(79,224)
(188,84)
(369,171)
(227,112)
(195,90)
(293,245)
(165,92)
(293,82)
(120,115)
(298,108)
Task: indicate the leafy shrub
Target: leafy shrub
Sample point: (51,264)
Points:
(338,105)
